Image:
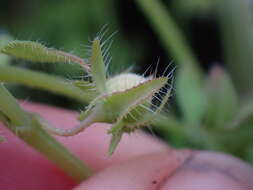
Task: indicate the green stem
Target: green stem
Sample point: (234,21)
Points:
(43,81)
(30,131)
(236,27)
(10,108)
(170,35)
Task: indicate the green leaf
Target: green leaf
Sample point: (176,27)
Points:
(97,66)
(33,51)
(222,99)
(190,95)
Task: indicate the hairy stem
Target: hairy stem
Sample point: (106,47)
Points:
(10,108)
(30,131)
(66,132)
(42,81)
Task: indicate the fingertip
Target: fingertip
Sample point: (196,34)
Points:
(211,170)
(140,173)
(175,170)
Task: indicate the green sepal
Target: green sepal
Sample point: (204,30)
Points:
(36,52)
(222,99)
(84,114)
(117,132)
(86,87)
(122,126)
(148,117)
(190,94)
(98,67)
(83,85)
(116,104)
(4,39)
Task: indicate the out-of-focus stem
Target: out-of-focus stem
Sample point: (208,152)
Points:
(42,81)
(30,131)
(236,22)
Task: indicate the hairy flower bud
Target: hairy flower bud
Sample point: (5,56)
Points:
(124,82)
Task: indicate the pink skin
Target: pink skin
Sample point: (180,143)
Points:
(140,162)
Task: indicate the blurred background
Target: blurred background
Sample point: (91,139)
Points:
(209,42)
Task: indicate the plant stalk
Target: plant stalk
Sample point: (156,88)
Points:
(30,131)
(236,23)
(42,81)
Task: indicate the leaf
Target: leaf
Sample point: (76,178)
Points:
(33,51)
(190,95)
(97,66)
(222,99)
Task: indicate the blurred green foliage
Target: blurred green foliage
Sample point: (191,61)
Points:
(214,109)
(68,25)
(211,106)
